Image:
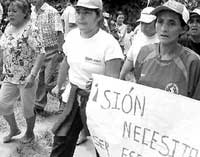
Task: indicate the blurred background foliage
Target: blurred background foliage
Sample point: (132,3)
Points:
(131,8)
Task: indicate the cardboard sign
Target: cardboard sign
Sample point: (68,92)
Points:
(130,120)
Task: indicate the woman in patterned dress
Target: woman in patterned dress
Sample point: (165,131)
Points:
(23,56)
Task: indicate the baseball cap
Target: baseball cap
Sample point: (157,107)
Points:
(146,15)
(174,6)
(91,4)
(195,12)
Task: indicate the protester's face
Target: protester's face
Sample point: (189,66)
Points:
(194,24)
(168,27)
(120,19)
(87,19)
(148,28)
(129,28)
(15,15)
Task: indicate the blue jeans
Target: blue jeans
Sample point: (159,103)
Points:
(47,80)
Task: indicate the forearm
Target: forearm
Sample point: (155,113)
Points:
(127,66)
(37,65)
(63,73)
(60,40)
(63,24)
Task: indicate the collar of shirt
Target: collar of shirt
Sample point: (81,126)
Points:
(42,8)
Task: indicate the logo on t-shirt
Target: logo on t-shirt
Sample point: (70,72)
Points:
(92,60)
(172,87)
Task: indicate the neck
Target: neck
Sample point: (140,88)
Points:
(196,38)
(90,33)
(168,51)
(18,26)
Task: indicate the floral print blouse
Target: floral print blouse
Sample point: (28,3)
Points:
(20,52)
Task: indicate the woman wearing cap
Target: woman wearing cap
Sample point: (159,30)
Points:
(192,38)
(167,65)
(146,35)
(88,50)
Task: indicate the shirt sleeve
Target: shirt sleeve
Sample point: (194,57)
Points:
(58,22)
(113,50)
(194,80)
(66,43)
(72,15)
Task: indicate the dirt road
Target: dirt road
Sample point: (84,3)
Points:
(41,147)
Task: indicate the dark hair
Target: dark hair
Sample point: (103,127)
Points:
(120,13)
(183,24)
(99,14)
(24,5)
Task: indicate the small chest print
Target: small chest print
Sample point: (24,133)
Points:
(92,60)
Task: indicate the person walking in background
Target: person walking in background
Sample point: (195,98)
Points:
(88,50)
(113,29)
(121,29)
(105,21)
(128,38)
(23,56)
(191,39)
(48,20)
(167,65)
(144,36)
(68,18)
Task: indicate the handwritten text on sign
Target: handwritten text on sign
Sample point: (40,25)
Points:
(130,120)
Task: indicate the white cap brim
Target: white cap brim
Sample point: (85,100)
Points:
(195,12)
(146,18)
(86,6)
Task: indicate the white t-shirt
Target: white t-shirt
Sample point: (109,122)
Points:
(140,40)
(87,56)
(68,16)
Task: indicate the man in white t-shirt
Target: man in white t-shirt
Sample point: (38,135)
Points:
(68,18)
(145,35)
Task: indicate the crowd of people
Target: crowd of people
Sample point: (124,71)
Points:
(41,49)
